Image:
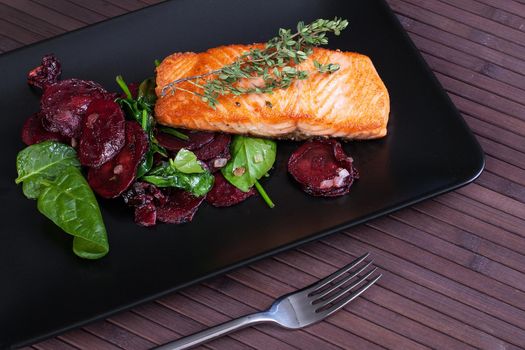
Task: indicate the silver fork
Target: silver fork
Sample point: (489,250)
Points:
(298,309)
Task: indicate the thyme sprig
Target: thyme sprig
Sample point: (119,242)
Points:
(275,64)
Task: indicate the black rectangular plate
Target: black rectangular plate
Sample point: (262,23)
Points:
(46,289)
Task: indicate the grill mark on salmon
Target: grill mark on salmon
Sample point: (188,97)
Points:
(352,103)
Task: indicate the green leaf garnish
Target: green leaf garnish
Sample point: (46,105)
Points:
(252,158)
(50,173)
(186,162)
(43,161)
(184,172)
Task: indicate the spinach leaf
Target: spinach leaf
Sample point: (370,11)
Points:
(50,173)
(72,206)
(186,162)
(168,175)
(147,91)
(140,109)
(43,162)
(251,159)
(173,132)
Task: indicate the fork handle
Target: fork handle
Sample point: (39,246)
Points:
(216,331)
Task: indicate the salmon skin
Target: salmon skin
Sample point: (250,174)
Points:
(351,103)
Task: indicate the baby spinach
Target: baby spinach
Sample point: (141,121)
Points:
(50,173)
(183,172)
(72,206)
(140,109)
(252,158)
(186,161)
(43,162)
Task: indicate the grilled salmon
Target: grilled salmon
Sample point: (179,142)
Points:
(351,103)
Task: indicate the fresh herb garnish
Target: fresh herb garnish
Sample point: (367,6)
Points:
(252,158)
(50,173)
(184,171)
(276,64)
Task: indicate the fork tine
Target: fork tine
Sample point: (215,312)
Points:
(342,282)
(315,287)
(347,289)
(349,298)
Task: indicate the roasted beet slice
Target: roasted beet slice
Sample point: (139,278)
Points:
(216,153)
(179,207)
(114,177)
(322,168)
(224,194)
(146,215)
(46,74)
(64,103)
(102,136)
(33,132)
(174,144)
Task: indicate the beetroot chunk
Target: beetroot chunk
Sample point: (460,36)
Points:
(46,74)
(224,194)
(115,176)
(145,198)
(179,208)
(174,144)
(102,136)
(322,168)
(216,153)
(64,103)
(33,132)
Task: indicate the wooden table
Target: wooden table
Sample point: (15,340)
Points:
(454,266)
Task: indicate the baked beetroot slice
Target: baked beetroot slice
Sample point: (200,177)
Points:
(179,208)
(33,132)
(197,139)
(114,177)
(102,137)
(64,103)
(322,168)
(146,215)
(46,74)
(216,153)
(224,194)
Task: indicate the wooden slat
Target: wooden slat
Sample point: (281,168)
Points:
(182,325)
(209,317)
(385,307)
(53,344)
(502,185)
(453,266)
(72,10)
(462,238)
(498,15)
(439,303)
(118,336)
(84,340)
(105,8)
(508,5)
(28,22)
(44,13)
(8,44)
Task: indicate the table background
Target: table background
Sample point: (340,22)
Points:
(454,266)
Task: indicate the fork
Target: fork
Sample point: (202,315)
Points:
(298,309)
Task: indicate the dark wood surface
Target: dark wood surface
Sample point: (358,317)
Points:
(454,266)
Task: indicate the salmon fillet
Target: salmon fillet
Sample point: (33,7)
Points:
(351,103)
